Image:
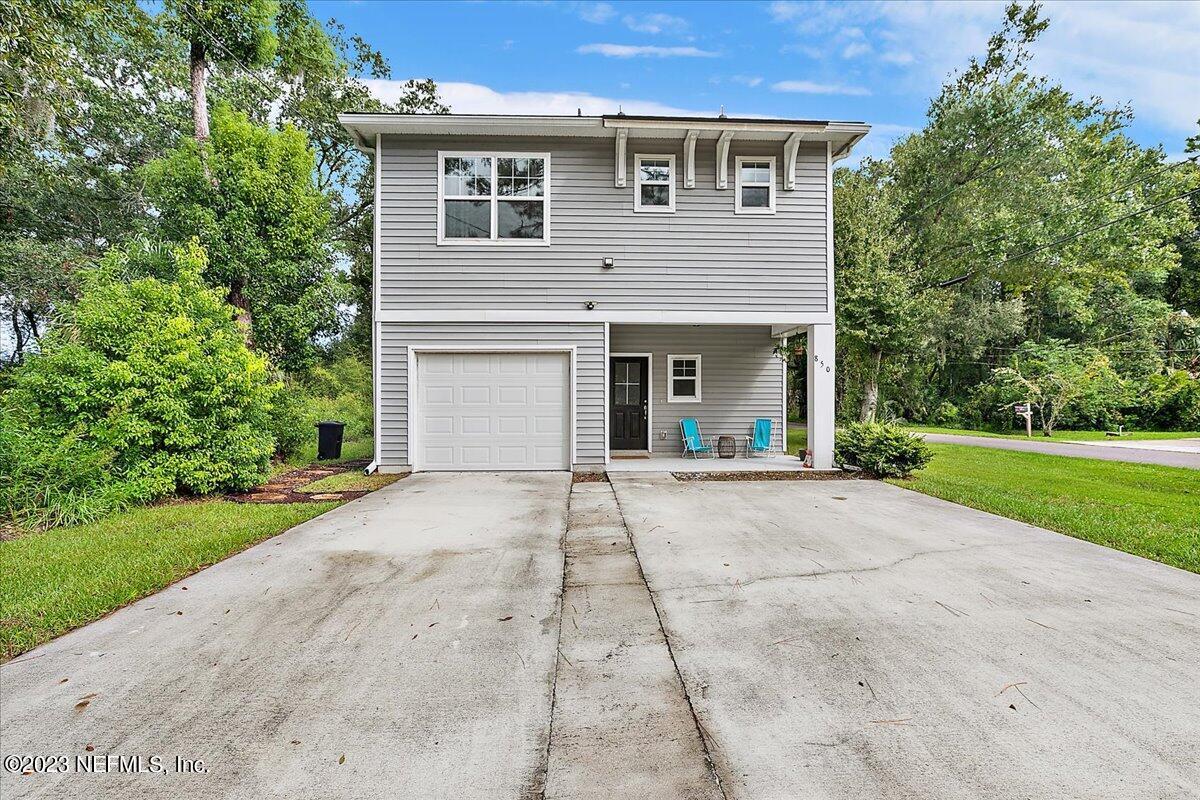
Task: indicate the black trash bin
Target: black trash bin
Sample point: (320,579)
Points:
(329,439)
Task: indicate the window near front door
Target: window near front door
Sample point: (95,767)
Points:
(654,188)
(683,379)
(494,197)
(755,190)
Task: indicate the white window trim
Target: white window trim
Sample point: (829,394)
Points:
(737,194)
(637,184)
(495,239)
(671,359)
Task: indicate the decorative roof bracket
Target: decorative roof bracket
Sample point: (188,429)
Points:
(723,159)
(791,149)
(689,159)
(622,137)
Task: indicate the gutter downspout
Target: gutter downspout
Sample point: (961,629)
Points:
(370,468)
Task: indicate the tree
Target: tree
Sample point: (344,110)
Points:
(233,33)
(1057,377)
(249,198)
(881,314)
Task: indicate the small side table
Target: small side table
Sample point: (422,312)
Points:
(727,446)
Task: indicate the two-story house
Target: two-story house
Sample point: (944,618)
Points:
(552,291)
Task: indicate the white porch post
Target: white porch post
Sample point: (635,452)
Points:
(820,395)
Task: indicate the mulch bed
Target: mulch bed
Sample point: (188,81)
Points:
(283,488)
(589,477)
(763,476)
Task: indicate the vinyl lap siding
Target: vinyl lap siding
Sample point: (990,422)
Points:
(396,338)
(702,258)
(741,379)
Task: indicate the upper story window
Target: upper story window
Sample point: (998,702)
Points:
(494,196)
(654,189)
(755,190)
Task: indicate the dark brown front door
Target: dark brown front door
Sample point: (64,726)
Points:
(628,392)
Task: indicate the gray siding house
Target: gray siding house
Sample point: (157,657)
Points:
(554,291)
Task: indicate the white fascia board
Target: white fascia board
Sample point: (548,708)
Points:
(664,317)
(711,125)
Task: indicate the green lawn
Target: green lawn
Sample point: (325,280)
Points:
(1144,509)
(352,450)
(797,440)
(351,481)
(1059,436)
(53,581)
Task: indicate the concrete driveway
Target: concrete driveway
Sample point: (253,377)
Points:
(852,639)
(509,636)
(412,632)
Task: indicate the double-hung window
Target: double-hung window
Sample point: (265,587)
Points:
(755,190)
(494,196)
(654,187)
(683,379)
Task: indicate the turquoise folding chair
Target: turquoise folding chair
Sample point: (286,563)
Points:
(760,442)
(693,440)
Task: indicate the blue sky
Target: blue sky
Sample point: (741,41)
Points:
(877,62)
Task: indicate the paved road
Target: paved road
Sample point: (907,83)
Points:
(505,636)
(1168,452)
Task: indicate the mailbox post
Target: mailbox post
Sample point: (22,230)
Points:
(1025,411)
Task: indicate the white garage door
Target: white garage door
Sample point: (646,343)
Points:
(492,411)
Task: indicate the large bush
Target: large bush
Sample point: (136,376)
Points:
(885,451)
(145,388)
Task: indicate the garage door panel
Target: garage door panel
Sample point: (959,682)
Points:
(493,411)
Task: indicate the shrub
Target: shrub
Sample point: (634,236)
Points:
(885,451)
(946,415)
(144,389)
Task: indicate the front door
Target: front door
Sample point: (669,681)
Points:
(629,394)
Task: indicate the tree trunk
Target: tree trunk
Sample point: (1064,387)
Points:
(870,398)
(199,91)
(237,298)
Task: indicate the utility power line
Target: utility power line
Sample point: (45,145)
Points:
(1072,207)
(1070,237)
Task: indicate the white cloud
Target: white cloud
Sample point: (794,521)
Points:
(648,50)
(474,98)
(747,80)
(655,23)
(596,13)
(900,58)
(812,87)
(856,49)
(1145,54)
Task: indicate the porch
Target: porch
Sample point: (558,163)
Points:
(720,379)
(676,463)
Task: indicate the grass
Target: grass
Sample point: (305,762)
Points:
(352,450)
(1144,509)
(797,440)
(351,481)
(1062,436)
(53,581)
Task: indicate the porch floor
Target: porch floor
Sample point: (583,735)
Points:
(673,463)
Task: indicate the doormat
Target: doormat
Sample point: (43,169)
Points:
(287,487)
(773,475)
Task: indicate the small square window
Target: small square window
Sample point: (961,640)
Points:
(683,379)
(654,184)
(755,190)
